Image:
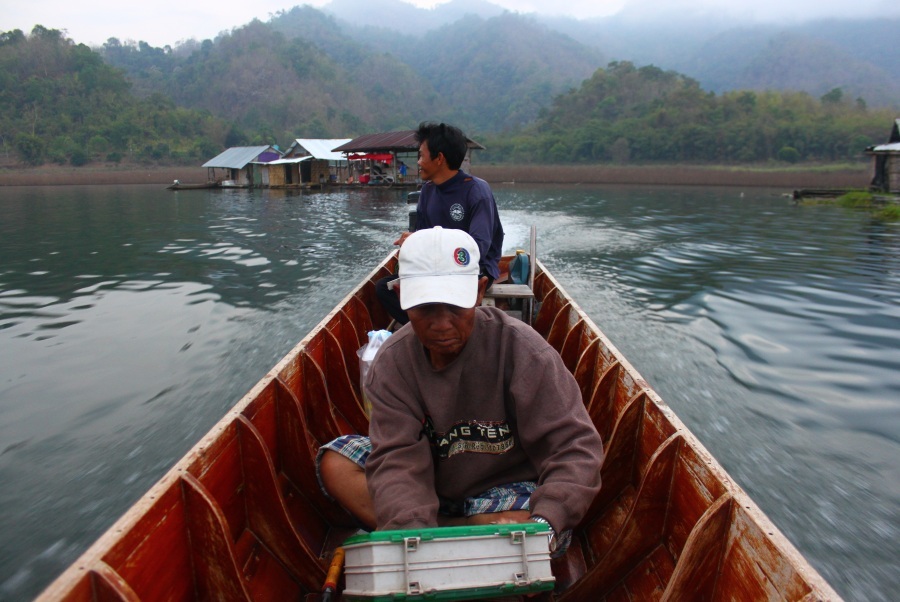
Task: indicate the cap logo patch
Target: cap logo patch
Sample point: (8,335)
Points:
(461,256)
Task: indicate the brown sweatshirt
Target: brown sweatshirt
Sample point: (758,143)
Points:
(505,410)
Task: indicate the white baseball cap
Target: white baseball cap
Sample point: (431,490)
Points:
(439,265)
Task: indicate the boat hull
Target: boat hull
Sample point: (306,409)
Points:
(241,516)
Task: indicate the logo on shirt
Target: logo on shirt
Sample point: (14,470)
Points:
(461,256)
(470,437)
(457,213)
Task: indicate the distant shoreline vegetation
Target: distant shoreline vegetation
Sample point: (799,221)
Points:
(65,104)
(840,175)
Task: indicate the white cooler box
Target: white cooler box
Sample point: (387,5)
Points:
(448,563)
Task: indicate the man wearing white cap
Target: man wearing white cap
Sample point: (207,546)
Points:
(475,419)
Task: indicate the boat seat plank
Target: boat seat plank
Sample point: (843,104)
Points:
(267,515)
(217,574)
(509,291)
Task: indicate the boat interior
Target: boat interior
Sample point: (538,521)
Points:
(242,515)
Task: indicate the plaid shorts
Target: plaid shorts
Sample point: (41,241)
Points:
(512,496)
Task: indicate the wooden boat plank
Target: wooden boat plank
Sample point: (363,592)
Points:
(577,340)
(696,491)
(272,427)
(217,572)
(135,555)
(109,585)
(655,431)
(639,534)
(262,573)
(753,565)
(312,513)
(218,469)
(648,580)
(344,395)
(267,514)
(618,470)
(697,572)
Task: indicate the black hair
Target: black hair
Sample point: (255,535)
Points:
(446,139)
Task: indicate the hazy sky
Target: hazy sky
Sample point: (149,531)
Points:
(164,22)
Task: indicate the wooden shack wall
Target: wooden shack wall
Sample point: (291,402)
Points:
(277,175)
(319,171)
(892,173)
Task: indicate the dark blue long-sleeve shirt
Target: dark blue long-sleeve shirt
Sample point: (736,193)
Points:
(465,202)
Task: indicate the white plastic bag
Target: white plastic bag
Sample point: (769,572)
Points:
(366,355)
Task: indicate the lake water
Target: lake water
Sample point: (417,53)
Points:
(132,317)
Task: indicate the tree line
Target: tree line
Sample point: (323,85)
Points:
(61,103)
(66,103)
(624,113)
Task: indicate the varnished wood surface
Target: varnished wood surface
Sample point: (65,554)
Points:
(241,516)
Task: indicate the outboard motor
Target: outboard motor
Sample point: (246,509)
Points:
(412,201)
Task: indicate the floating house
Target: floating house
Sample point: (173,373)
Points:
(309,161)
(385,158)
(243,166)
(887,162)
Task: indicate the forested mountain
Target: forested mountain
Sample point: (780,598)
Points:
(722,53)
(269,83)
(303,72)
(60,102)
(627,113)
(490,74)
(533,91)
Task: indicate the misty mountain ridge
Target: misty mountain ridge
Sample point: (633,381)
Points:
(719,50)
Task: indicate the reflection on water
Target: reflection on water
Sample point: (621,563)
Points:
(131,318)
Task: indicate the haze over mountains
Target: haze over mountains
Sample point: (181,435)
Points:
(721,52)
(359,66)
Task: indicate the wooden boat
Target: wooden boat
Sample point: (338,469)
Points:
(176,185)
(241,516)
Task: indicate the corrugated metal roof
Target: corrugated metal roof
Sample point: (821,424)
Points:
(238,157)
(290,160)
(321,148)
(893,147)
(398,142)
